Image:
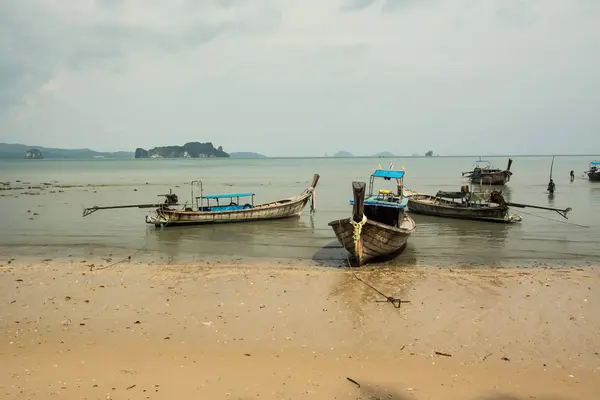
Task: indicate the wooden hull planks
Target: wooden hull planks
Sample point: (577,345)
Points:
(431,205)
(285,208)
(491,178)
(594,176)
(377,239)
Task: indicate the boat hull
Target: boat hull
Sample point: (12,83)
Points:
(594,176)
(286,208)
(498,178)
(376,239)
(430,205)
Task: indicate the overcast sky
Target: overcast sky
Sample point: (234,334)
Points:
(303,77)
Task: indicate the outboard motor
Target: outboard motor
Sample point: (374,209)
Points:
(171,198)
(496,197)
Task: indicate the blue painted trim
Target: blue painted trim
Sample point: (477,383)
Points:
(228,195)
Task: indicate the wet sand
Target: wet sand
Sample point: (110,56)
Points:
(140,331)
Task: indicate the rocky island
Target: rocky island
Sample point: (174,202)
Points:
(33,154)
(342,154)
(188,150)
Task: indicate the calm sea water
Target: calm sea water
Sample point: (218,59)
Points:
(59,230)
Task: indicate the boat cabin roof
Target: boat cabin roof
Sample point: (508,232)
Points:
(227,195)
(482,161)
(595,163)
(380,203)
(388,173)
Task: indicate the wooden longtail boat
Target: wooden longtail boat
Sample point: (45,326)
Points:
(594,171)
(486,174)
(379,226)
(203,212)
(490,206)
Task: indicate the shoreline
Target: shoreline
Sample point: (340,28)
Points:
(333,256)
(234,330)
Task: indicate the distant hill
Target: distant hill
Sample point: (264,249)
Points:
(188,150)
(246,154)
(384,154)
(13,150)
(342,154)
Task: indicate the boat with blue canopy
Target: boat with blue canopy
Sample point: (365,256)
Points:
(379,226)
(594,172)
(220,208)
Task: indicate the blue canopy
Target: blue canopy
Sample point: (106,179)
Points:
(379,203)
(228,195)
(388,173)
(595,163)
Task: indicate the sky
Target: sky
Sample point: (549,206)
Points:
(303,77)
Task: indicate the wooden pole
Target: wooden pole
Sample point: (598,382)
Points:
(562,213)
(358,189)
(90,210)
(315,181)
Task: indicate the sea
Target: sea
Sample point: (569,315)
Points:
(48,224)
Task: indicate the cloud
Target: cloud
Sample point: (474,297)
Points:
(260,74)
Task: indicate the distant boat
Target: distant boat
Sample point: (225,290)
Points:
(486,174)
(379,225)
(594,171)
(98,156)
(201,211)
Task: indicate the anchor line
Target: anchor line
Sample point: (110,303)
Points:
(128,258)
(395,302)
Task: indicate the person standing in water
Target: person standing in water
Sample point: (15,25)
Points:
(551,187)
(572,175)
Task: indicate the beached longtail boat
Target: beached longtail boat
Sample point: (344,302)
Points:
(209,209)
(486,174)
(379,226)
(594,171)
(483,206)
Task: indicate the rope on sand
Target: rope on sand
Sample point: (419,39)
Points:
(396,302)
(128,258)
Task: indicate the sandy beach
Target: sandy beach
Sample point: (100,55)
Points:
(215,331)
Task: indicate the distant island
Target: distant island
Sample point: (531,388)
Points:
(342,154)
(429,153)
(20,151)
(246,154)
(33,154)
(188,150)
(384,154)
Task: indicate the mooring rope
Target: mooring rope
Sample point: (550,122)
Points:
(129,257)
(395,302)
(356,235)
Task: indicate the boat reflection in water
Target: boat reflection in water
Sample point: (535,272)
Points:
(275,239)
(463,242)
